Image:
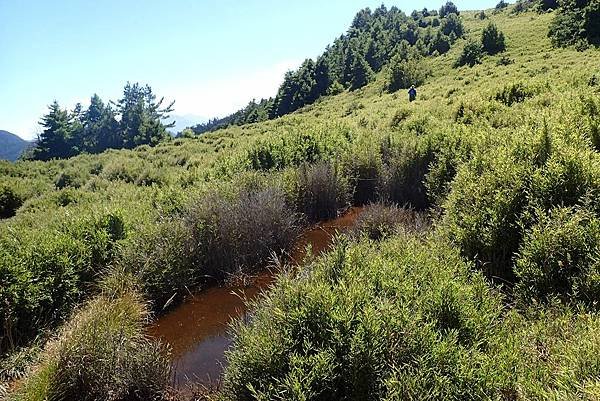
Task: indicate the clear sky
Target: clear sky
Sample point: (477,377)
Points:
(210,56)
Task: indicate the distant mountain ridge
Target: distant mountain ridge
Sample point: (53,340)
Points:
(11,146)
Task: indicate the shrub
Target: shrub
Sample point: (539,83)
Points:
(102,354)
(294,150)
(69,179)
(355,326)
(364,171)
(522,6)
(378,220)
(492,40)
(335,89)
(504,61)
(404,175)
(569,177)
(320,191)
(559,257)
(10,201)
(400,116)
(160,257)
(481,15)
(43,276)
(405,73)
(239,233)
(482,210)
(471,54)
(515,92)
(576,22)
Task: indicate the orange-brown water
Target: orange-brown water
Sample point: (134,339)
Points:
(197,329)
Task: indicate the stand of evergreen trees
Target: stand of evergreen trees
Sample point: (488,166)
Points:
(374,38)
(135,119)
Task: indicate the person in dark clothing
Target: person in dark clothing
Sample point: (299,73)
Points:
(412,94)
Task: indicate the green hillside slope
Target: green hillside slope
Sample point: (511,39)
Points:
(498,300)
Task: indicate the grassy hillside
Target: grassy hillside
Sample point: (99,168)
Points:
(11,146)
(497,301)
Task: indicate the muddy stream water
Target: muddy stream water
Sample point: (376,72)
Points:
(197,329)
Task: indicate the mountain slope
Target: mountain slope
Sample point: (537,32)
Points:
(11,146)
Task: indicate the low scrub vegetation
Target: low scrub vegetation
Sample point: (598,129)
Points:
(365,323)
(377,221)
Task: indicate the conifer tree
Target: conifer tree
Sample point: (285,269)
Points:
(492,40)
(141,116)
(54,141)
(361,72)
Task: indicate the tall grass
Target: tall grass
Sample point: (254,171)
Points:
(102,354)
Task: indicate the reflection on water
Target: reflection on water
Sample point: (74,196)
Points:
(197,329)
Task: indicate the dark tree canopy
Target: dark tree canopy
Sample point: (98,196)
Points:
(448,8)
(576,23)
(137,120)
(492,40)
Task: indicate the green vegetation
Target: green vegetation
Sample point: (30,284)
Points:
(492,40)
(136,121)
(350,62)
(493,295)
(576,23)
(102,354)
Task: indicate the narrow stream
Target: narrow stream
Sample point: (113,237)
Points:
(197,329)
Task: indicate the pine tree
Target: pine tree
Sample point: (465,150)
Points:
(54,141)
(284,101)
(447,9)
(108,134)
(492,40)
(361,72)
(141,116)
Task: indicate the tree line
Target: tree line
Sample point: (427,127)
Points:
(135,119)
(350,62)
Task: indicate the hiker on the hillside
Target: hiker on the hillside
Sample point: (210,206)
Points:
(412,94)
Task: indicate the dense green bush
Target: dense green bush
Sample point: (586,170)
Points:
(70,178)
(452,27)
(43,276)
(483,208)
(102,354)
(404,174)
(366,323)
(492,40)
(576,23)
(9,201)
(160,257)
(405,73)
(290,151)
(515,92)
(364,170)
(471,54)
(559,257)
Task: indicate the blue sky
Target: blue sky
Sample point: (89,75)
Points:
(210,56)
